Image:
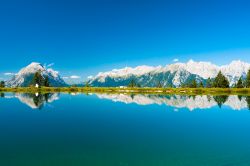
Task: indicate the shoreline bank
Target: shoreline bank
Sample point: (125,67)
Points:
(184,91)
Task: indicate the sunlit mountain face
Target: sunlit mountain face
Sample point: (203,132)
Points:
(235,102)
(174,74)
(25,76)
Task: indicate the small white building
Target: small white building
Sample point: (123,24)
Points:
(122,87)
(37,86)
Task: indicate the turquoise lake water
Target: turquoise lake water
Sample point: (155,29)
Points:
(124,130)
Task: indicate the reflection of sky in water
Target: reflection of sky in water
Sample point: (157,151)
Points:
(151,130)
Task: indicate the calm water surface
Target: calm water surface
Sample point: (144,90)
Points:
(124,130)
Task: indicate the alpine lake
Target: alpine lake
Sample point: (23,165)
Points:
(77,129)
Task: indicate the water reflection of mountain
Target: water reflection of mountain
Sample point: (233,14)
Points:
(34,100)
(178,101)
(37,101)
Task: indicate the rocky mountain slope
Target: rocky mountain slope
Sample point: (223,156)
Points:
(170,75)
(24,76)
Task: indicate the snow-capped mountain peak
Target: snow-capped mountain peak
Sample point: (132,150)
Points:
(203,69)
(139,70)
(31,68)
(53,72)
(25,76)
(236,68)
(174,67)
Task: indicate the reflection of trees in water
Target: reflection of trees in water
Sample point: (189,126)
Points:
(132,96)
(209,98)
(192,96)
(46,97)
(1,94)
(248,101)
(220,100)
(240,97)
(38,99)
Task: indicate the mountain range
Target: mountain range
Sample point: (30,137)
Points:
(170,75)
(174,74)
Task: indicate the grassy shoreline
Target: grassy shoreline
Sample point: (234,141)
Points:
(184,91)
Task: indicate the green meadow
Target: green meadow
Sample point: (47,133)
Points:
(190,91)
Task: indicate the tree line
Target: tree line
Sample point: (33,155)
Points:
(2,84)
(220,81)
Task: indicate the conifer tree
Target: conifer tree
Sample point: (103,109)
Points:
(183,85)
(240,83)
(87,85)
(193,84)
(248,79)
(2,84)
(37,79)
(209,83)
(46,81)
(170,85)
(220,81)
(201,85)
(132,83)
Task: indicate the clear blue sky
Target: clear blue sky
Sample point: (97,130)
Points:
(85,37)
